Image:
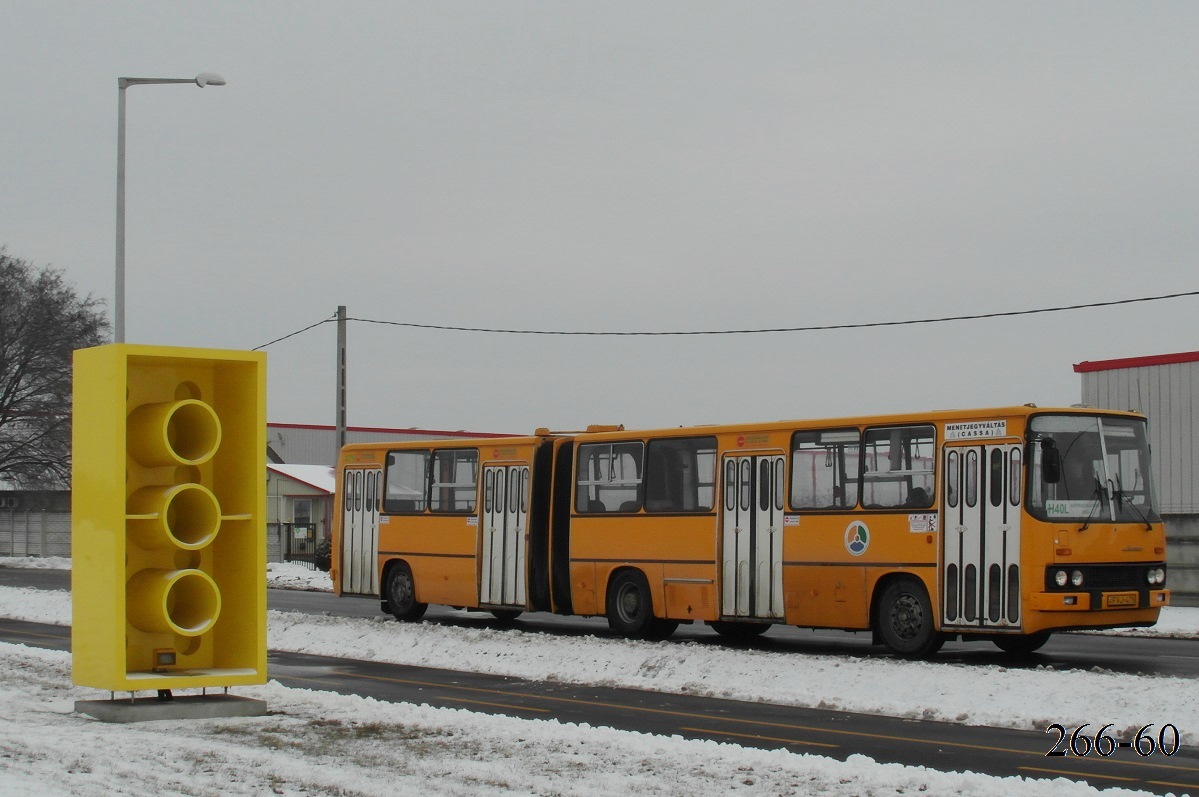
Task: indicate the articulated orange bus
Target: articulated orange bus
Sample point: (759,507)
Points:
(1000,524)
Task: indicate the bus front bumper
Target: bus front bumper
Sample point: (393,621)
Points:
(1100,601)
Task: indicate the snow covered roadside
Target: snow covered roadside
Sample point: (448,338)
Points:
(321,743)
(36,562)
(279,575)
(969,694)
(324,743)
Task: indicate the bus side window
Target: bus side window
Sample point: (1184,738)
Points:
(609,477)
(405,482)
(679,474)
(455,480)
(824,469)
(899,467)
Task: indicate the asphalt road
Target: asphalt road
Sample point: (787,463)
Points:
(942,746)
(1132,655)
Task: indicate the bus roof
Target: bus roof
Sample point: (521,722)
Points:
(618,432)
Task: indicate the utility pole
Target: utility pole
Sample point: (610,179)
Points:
(341,380)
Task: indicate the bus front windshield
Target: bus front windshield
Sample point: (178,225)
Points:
(1089,469)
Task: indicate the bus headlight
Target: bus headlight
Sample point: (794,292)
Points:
(1156,575)
(1076,578)
(1060,578)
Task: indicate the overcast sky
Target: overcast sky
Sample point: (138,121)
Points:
(620,167)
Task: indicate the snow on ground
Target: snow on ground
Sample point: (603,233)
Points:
(37,562)
(321,743)
(973,694)
(318,742)
(282,575)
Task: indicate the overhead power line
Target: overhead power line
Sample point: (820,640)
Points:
(754,331)
(297,332)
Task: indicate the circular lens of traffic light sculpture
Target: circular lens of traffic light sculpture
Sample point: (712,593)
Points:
(193,432)
(186,516)
(186,432)
(183,602)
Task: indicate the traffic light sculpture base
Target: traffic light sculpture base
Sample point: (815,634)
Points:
(191,707)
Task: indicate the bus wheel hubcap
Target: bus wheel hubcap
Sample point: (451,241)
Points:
(906,618)
(630,603)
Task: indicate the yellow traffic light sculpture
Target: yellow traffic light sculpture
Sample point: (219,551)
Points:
(168,575)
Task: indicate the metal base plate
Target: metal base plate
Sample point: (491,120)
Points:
(188,707)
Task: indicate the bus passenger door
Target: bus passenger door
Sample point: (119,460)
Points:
(360,531)
(752,537)
(505,518)
(981,536)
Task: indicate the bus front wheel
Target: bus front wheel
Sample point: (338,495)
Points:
(401,594)
(905,620)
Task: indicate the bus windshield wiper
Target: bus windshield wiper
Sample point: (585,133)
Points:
(1095,495)
(1121,498)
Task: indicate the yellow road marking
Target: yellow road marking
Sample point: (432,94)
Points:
(36,634)
(496,705)
(1175,785)
(757,737)
(302,678)
(1071,774)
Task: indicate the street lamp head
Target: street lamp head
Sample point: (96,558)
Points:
(203,79)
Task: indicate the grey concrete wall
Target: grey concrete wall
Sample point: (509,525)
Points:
(1182,558)
(35,533)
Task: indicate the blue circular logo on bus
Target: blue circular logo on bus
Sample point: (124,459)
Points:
(857,538)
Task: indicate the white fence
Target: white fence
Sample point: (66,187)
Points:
(34,533)
(45,533)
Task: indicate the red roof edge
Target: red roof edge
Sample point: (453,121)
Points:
(386,430)
(1136,362)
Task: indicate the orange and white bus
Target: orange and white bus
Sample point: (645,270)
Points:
(1000,524)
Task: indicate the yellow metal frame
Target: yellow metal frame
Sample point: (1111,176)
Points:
(167,519)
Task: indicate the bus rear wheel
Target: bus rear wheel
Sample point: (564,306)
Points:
(1021,643)
(631,609)
(905,620)
(401,594)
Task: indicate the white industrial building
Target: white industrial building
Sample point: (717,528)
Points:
(310,444)
(1165,388)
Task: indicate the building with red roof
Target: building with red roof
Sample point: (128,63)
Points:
(1165,388)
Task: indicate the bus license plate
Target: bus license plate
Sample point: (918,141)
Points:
(1122,600)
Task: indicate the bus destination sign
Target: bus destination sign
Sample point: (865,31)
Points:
(975,429)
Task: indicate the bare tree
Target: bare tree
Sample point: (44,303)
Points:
(42,321)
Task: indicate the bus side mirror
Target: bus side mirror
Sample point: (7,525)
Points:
(1051,462)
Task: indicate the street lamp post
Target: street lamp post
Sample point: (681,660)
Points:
(201,80)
